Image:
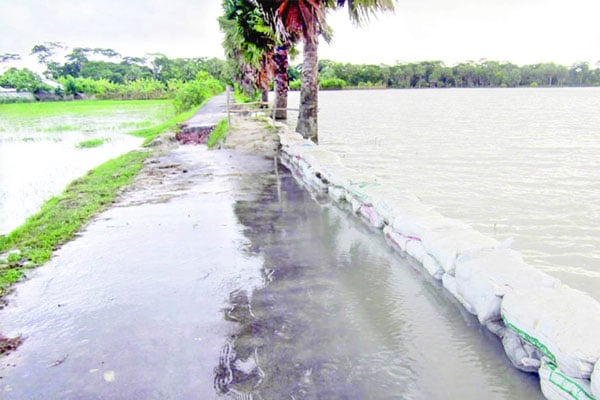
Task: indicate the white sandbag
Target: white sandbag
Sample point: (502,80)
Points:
(358,186)
(355,203)
(388,201)
(372,217)
(596,381)
(297,150)
(496,327)
(416,220)
(313,181)
(337,175)
(415,249)
(563,323)
(322,162)
(321,159)
(432,267)
(447,245)
(449,283)
(556,385)
(395,238)
(483,278)
(289,138)
(337,193)
(521,354)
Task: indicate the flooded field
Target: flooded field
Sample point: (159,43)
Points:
(42,147)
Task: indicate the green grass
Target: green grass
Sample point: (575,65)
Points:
(60,128)
(88,144)
(62,216)
(219,134)
(80,108)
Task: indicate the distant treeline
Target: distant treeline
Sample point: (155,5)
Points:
(106,74)
(434,74)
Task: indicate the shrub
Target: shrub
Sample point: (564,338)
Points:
(194,93)
(22,80)
(332,84)
(295,84)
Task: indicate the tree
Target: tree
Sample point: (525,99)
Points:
(45,52)
(306,19)
(22,80)
(8,57)
(250,43)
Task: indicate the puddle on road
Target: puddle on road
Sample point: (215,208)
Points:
(342,316)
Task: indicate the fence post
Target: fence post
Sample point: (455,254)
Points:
(228,113)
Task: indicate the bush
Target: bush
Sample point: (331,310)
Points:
(194,93)
(23,80)
(332,84)
(295,85)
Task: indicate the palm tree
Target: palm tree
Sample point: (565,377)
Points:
(249,43)
(306,19)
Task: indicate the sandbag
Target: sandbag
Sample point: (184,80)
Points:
(322,162)
(297,150)
(372,217)
(395,238)
(496,327)
(447,245)
(290,138)
(358,188)
(449,283)
(415,249)
(416,220)
(563,323)
(388,201)
(596,381)
(432,267)
(483,278)
(556,385)
(521,354)
(337,175)
(337,193)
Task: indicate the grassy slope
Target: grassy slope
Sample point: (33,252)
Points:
(62,216)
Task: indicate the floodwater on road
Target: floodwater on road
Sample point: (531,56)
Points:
(226,279)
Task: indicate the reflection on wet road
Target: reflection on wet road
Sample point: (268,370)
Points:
(242,286)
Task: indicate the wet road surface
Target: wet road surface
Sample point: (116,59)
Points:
(226,279)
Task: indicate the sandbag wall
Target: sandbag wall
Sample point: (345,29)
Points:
(545,326)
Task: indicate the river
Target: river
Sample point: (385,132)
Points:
(513,163)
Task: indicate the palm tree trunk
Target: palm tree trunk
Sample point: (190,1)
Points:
(309,91)
(264,82)
(281,81)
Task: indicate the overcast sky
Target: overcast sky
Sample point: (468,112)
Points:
(521,31)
